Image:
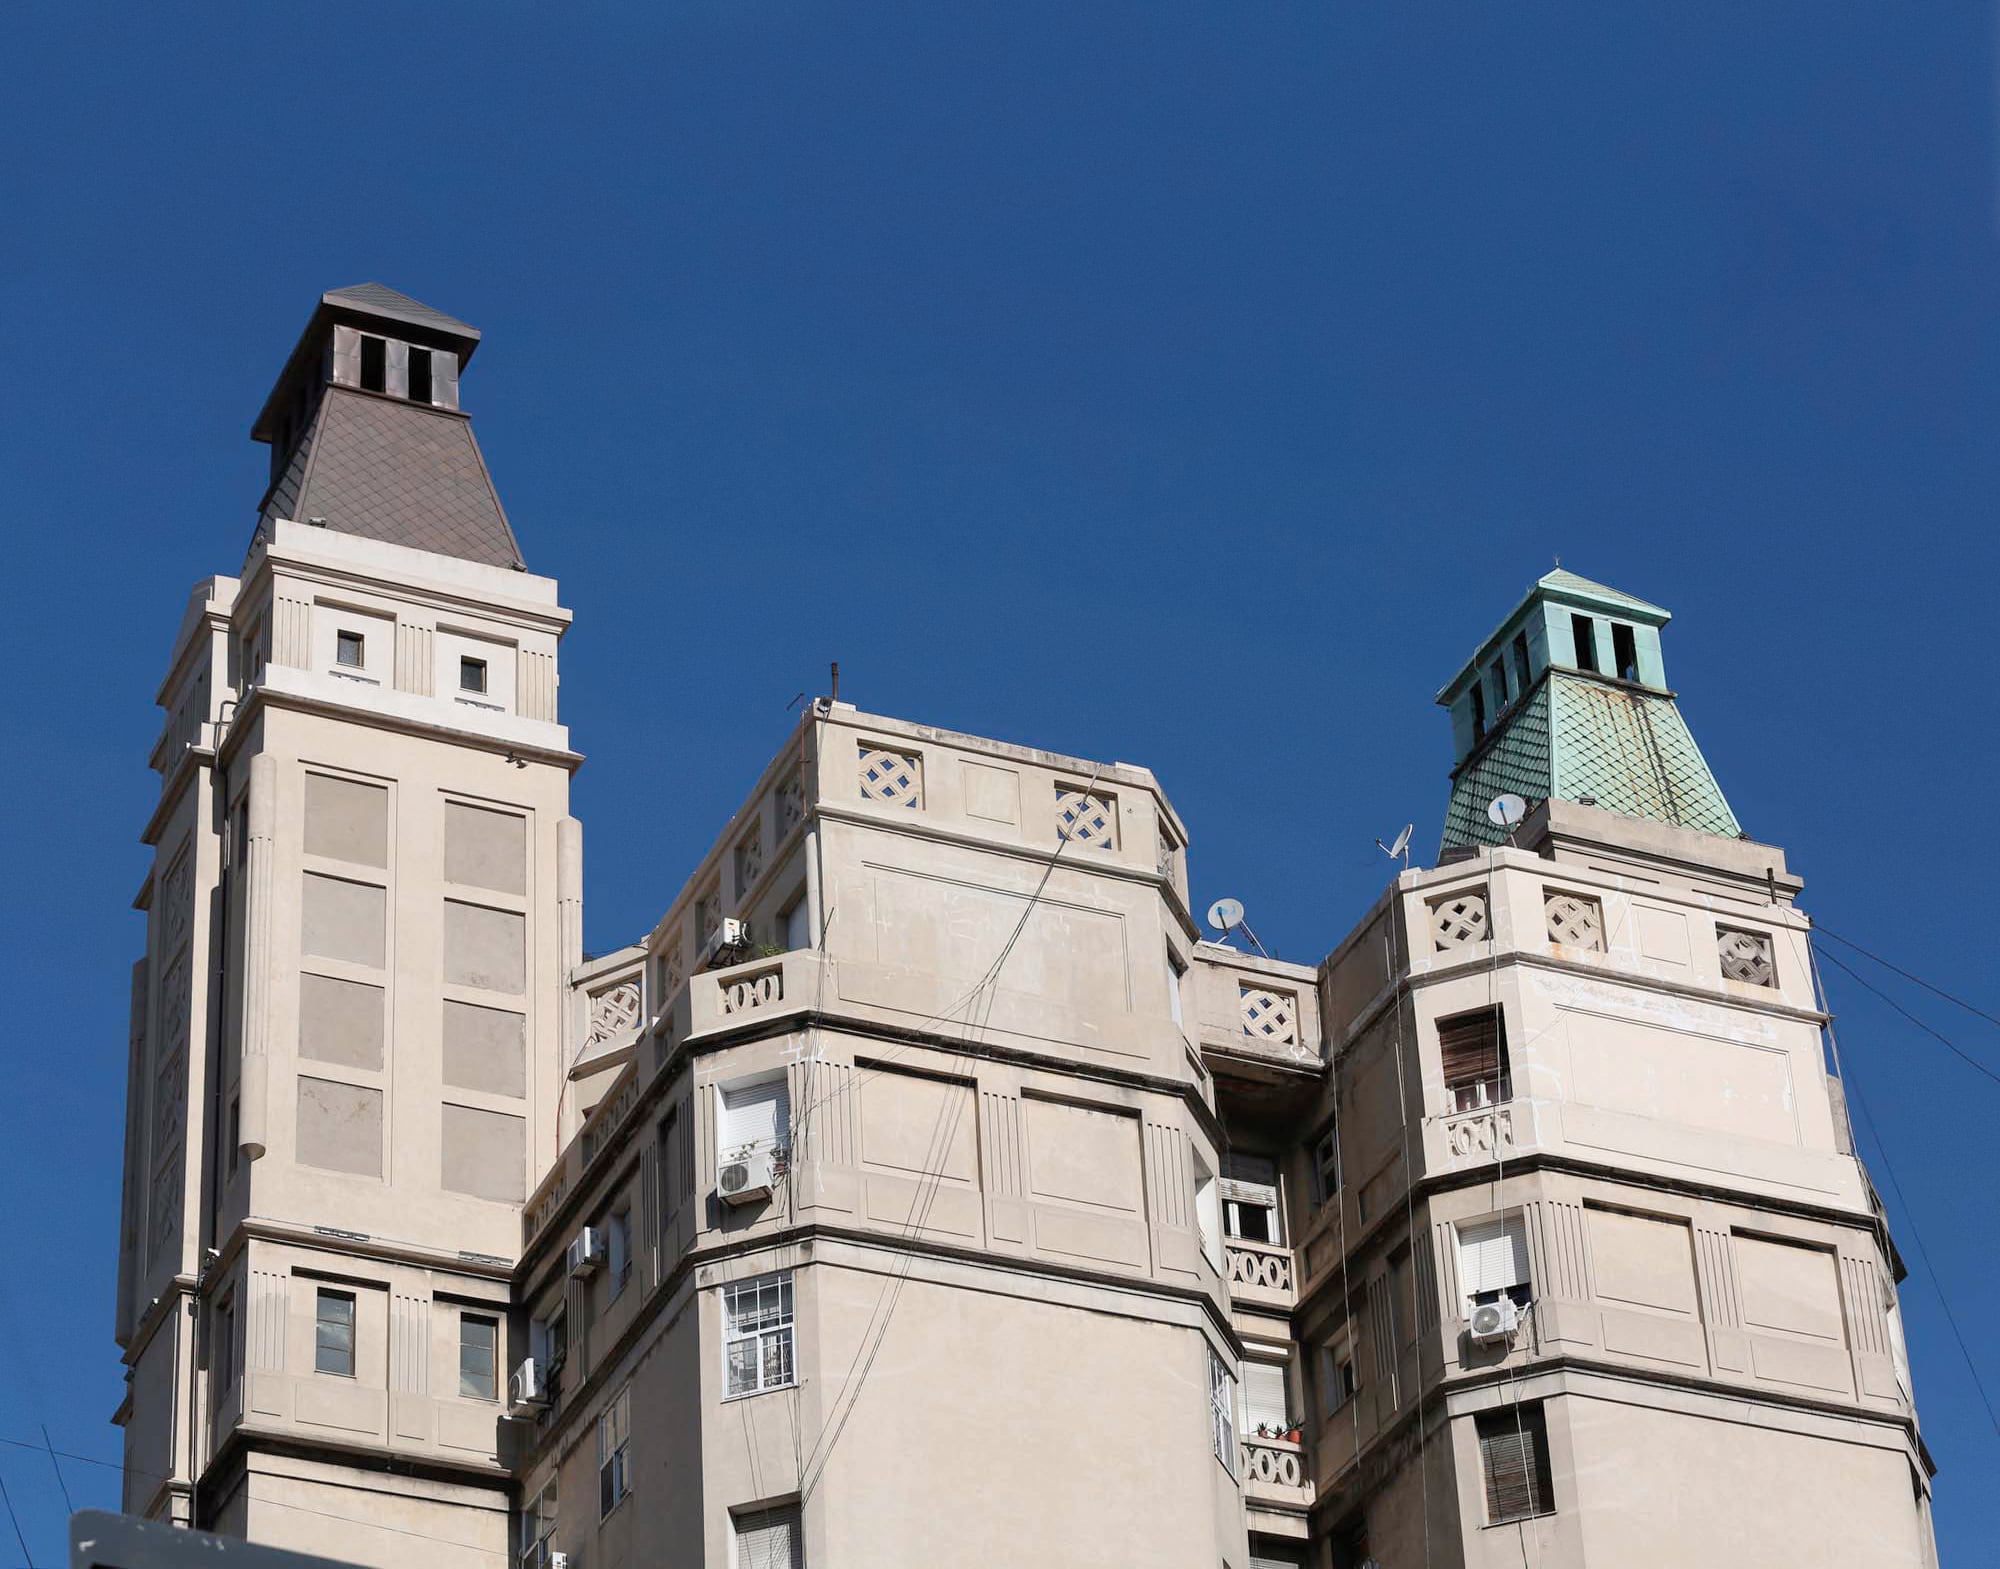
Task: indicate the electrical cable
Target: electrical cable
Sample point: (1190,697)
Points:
(1949,1045)
(1853,1090)
(7,1498)
(1848,942)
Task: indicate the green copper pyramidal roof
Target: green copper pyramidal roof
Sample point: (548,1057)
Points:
(1568,699)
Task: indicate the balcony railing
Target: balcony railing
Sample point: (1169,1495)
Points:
(1274,1472)
(1261,1274)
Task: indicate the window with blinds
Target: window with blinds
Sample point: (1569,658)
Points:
(1473,1047)
(770,1539)
(1264,1404)
(750,1117)
(1514,1460)
(1493,1261)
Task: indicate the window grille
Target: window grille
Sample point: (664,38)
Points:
(1459,921)
(893,778)
(1745,956)
(1514,1459)
(757,1334)
(614,1438)
(1221,1411)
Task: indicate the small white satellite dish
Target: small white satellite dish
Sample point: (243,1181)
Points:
(1401,845)
(1225,915)
(1504,811)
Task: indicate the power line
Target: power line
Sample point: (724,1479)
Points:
(1852,1089)
(1936,1035)
(1917,980)
(49,1444)
(8,1500)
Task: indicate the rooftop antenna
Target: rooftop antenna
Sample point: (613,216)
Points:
(1401,847)
(1226,915)
(1507,811)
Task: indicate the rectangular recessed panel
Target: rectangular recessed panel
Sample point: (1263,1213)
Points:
(340,1127)
(917,1125)
(485,1049)
(343,920)
(1082,1156)
(485,948)
(485,849)
(992,793)
(347,820)
(1672,1075)
(484,1154)
(1643,1260)
(340,1022)
(1788,1288)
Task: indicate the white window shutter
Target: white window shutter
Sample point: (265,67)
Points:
(1263,1395)
(756,1115)
(769,1539)
(1492,1255)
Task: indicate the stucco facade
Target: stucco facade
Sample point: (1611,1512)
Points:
(925,1184)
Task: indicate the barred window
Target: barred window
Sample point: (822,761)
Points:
(757,1334)
(1221,1409)
(1514,1457)
(614,1438)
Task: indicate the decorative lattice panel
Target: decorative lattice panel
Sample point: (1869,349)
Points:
(892,778)
(613,1012)
(707,911)
(750,859)
(791,804)
(1745,956)
(1575,920)
(1083,818)
(673,968)
(1460,921)
(1268,1016)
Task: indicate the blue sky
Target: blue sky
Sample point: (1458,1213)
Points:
(1194,386)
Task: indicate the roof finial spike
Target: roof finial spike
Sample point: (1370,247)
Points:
(1559,561)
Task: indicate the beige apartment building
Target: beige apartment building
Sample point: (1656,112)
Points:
(930,1184)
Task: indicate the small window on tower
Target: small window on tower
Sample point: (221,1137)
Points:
(1625,650)
(1584,630)
(471,674)
(347,649)
(420,375)
(374,365)
(1478,712)
(1521,660)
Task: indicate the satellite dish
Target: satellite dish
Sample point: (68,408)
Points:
(1225,915)
(1504,811)
(1402,842)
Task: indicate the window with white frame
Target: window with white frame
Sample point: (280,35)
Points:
(1221,1411)
(1493,1261)
(1208,1213)
(752,1117)
(619,1245)
(757,1334)
(538,1526)
(769,1539)
(614,1439)
(478,1356)
(1250,1198)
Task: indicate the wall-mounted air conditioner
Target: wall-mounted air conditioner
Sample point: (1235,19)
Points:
(746,1176)
(1494,1321)
(729,942)
(528,1386)
(588,1251)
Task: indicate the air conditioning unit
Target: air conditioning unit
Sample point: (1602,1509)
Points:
(558,1560)
(587,1251)
(1494,1321)
(529,1385)
(746,1178)
(729,942)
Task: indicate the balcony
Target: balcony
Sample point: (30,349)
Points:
(1275,1474)
(1261,1275)
(1256,1019)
